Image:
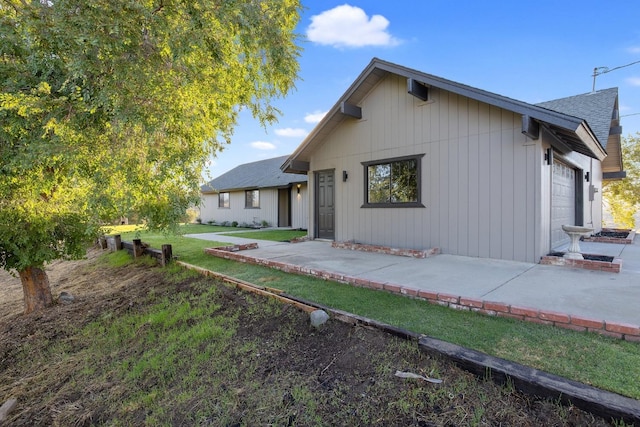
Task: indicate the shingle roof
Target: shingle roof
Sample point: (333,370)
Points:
(594,107)
(260,174)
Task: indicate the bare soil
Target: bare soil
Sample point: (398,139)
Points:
(614,234)
(348,370)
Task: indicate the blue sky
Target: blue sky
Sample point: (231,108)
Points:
(531,51)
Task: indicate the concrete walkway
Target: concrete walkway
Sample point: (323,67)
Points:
(611,297)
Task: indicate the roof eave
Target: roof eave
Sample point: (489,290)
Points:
(591,142)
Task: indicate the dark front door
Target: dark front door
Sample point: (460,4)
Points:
(325,208)
(284,207)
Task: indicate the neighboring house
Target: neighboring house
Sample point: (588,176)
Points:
(410,160)
(256,192)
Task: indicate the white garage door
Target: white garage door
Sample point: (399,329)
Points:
(563,202)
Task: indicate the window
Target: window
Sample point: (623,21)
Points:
(252,199)
(223,200)
(393,182)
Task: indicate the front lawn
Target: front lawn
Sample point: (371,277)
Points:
(589,358)
(273,235)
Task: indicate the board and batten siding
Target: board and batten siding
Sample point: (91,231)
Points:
(480,184)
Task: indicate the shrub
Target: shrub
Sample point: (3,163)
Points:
(234,224)
(265,223)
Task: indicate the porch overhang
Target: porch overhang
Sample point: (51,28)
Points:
(578,138)
(295,166)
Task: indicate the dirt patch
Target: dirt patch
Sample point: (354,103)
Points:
(283,371)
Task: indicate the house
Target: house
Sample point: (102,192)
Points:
(254,193)
(406,159)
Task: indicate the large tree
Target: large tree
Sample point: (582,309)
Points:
(623,197)
(114,106)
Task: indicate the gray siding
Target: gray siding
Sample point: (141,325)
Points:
(479,173)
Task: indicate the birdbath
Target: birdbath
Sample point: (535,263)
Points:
(574,232)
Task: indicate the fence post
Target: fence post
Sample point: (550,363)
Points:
(138,250)
(166,255)
(117,239)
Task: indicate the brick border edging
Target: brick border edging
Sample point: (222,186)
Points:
(626,241)
(586,264)
(236,248)
(624,331)
(412,253)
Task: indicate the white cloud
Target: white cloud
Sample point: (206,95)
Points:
(291,132)
(349,26)
(634,49)
(315,117)
(261,145)
(634,81)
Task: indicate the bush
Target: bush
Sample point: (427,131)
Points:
(191,216)
(265,223)
(234,224)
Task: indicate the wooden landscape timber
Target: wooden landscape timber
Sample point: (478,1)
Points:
(137,248)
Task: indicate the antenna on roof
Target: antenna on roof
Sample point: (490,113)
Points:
(596,72)
(603,70)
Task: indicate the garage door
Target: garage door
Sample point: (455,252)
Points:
(563,202)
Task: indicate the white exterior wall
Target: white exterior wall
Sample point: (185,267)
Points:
(592,210)
(209,210)
(300,207)
(268,209)
(481,177)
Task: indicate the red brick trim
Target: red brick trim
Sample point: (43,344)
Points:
(413,253)
(623,331)
(234,248)
(624,241)
(612,267)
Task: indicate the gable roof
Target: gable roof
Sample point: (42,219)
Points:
(571,132)
(260,174)
(597,108)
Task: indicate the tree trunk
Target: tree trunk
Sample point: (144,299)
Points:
(36,289)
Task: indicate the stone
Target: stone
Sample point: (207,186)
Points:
(6,408)
(66,297)
(318,318)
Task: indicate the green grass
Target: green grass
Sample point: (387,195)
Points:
(158,348)
(273,235)
(593,359)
